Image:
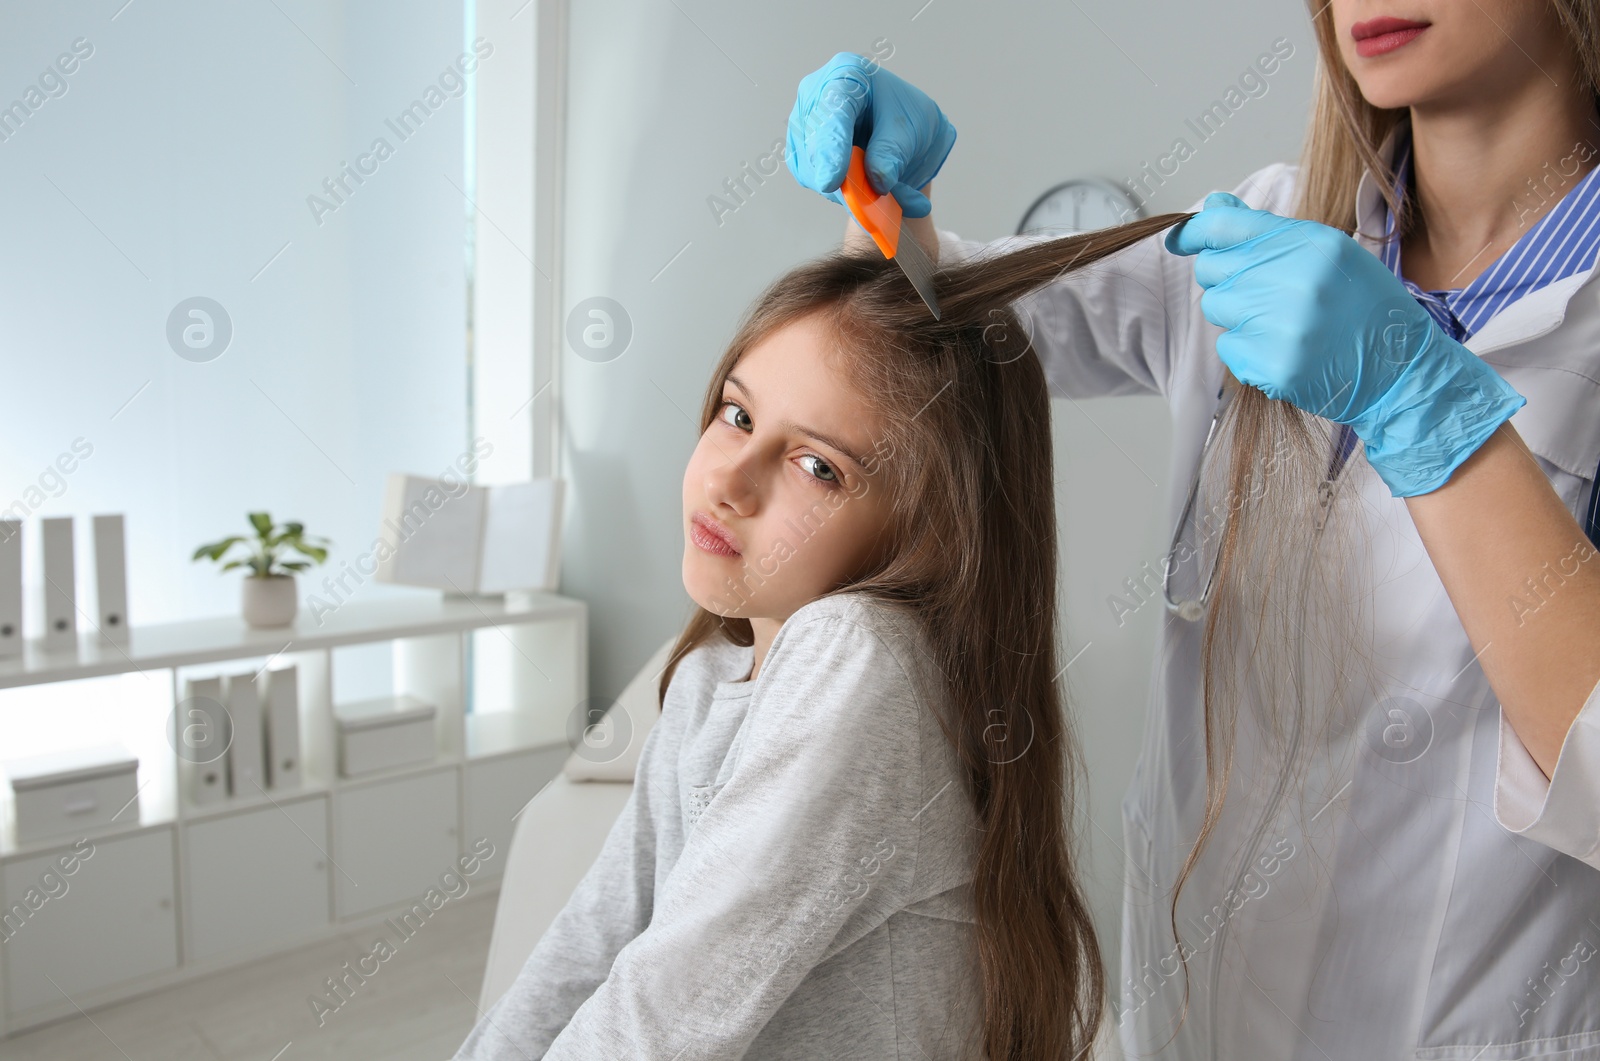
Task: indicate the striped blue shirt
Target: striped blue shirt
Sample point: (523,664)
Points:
(1562,242)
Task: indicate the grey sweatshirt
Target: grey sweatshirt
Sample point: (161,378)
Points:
(790,877)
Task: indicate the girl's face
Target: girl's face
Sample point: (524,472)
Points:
(1445,53)
(783,499)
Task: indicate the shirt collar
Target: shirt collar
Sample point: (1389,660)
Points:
(1559,379)
(1562,242)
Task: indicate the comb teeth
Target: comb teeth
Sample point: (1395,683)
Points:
(919,269)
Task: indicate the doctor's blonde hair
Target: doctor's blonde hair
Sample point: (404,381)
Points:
(965,412)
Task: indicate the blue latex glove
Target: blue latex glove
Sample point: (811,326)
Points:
(1315,319)
(852,99)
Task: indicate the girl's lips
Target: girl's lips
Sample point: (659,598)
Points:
(1382,35)
(711,536)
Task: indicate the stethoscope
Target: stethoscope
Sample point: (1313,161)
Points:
(1192,609)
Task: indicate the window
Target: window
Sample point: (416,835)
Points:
(258,258)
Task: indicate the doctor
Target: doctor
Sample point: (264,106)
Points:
(1436,897)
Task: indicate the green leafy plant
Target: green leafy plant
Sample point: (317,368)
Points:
(268,549)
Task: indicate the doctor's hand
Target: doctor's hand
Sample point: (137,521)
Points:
(906,135)
(1315,319)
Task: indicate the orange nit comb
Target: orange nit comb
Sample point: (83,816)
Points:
(881,217)
(878,214)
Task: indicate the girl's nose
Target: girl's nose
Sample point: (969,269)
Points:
(730,483)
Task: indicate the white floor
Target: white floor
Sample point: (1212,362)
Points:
(418,1006)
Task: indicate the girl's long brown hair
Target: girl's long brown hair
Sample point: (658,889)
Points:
(964,410)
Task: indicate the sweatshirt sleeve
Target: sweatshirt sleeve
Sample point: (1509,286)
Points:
(810,843)
(1564,812)
(610,906)
(1130,323)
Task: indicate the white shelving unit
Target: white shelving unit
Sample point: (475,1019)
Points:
(181,889)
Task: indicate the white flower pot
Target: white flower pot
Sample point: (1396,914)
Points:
(270,601)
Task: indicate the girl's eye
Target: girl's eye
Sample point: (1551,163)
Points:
(734,415)
(741,418)
(820,469)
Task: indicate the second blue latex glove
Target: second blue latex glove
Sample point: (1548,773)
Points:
(907,136)
(1315,319)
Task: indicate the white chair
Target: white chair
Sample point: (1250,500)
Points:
(559,833)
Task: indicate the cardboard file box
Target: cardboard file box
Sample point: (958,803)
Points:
(111,578)
(246,761)
(74,792)
(281,710)
(10,587)
(60,600)
(202,735)
(384,733)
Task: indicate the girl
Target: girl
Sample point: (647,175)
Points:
(847,837)
(1393,851)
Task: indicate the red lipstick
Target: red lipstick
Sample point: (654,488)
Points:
(1382,35)
(712,536)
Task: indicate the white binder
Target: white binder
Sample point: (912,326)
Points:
(60,597)
(433,531)
(246,764)
(281,706)
(110,578)
(463,538)
(521,537)
(202,740)
(10,587)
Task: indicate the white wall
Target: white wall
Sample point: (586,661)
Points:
(669,100)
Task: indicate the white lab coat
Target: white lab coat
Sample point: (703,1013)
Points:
(1436,908)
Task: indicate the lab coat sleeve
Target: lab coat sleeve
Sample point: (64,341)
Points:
(810,843)
(610,906)
(1564,812)
(1131,323)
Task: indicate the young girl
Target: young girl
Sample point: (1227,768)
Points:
(848,835)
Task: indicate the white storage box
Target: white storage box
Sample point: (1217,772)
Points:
(74,792)
(384,733)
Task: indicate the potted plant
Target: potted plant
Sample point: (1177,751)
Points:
(270,597)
